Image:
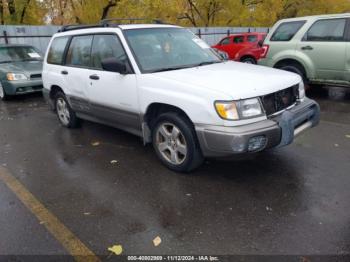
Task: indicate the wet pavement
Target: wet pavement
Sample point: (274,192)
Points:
(293,200)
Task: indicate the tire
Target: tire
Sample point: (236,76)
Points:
(3,95)
(65,113)
(175,143)
(294,68)
(249,60)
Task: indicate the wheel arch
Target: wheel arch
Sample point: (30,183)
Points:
(247,56)
(306,66)
(153,111)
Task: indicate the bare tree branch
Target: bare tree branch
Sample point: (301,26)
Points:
(24,10)
(111,3)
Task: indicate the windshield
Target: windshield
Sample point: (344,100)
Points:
(10,54)
(162,49)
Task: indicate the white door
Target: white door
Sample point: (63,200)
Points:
(113,96)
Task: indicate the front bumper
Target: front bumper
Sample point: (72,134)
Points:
(22,87)
(219,141)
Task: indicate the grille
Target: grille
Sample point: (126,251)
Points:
(35,76)
(280,100)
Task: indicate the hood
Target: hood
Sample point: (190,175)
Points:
(238,80)
(26,67)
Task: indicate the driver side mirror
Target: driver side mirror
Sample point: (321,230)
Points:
(113,65)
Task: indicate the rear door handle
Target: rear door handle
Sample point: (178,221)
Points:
(307,48)
(94,77)
(64,72)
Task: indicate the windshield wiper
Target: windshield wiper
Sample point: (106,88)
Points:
(32,59)
(170,69)
(208,63)
(7,61)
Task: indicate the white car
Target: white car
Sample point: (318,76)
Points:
(164,84)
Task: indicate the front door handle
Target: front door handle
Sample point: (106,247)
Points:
(307,48)
(94,77)
(64,72)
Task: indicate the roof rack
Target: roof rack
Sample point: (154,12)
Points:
(76,27)
(107,23)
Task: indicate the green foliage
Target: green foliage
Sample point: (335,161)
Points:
(182,12)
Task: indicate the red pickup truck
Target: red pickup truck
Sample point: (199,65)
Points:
(242,47)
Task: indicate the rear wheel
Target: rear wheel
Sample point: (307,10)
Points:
(65,114)
(3,95)
(249,60)
(175,143)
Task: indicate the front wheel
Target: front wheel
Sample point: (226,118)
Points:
(175,143)
(64,112)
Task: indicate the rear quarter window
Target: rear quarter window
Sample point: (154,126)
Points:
(286,31)
(56,51)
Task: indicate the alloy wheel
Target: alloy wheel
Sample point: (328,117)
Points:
(171,143)
(63,111)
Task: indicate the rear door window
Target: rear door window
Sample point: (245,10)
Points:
(330,30)
(79,51)
(286,31)
(58,45)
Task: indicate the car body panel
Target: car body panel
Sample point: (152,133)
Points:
(254,52)
(123,100)
(325,62)
(31,69)
(233,48)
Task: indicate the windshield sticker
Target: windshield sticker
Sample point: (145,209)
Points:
(201,43)
(34,55)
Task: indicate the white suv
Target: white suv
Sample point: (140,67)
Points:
(164,84)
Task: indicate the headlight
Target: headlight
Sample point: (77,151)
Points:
(236,110)
(15,77)
(301,90)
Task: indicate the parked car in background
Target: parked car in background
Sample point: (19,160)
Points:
(316,47)
(249,55)
(234,43)
(164,84)
(20,70)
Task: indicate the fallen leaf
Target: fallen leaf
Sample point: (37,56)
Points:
(95,143)
(42,222)
(157,241)
(336,145)
(114,162)
(347,136)
(116,249)
(87,213)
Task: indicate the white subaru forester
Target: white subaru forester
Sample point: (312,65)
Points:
(164,84)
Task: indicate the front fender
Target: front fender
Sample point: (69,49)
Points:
(196,102)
